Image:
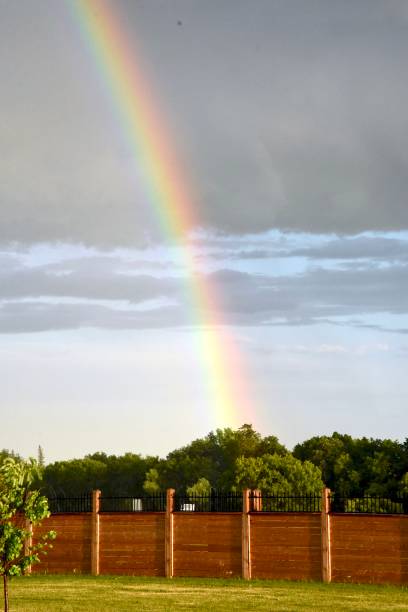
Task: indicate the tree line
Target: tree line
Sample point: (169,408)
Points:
(231,460)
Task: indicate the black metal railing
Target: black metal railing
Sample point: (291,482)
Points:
(285,503)
(216,501)
(148,503)
(59,505)
(369,504)
(219,501)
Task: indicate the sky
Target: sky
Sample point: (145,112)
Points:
(289,126)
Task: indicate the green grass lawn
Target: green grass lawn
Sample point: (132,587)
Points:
(107,593)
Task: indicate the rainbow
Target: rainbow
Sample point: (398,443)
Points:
(168,191)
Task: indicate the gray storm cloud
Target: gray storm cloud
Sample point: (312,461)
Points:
(362,247)
(287,115)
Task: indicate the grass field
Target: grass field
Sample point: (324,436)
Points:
(119,594)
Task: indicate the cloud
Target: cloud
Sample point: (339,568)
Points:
(23,317)
(107,292)
(284,115)
(325,293)
(362,247)
(362,250)
(99,278)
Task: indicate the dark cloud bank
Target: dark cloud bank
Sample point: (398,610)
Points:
(287,115)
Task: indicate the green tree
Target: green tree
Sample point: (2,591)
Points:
(19,503)
(200,495)
(5,454)
(214,458)
(404,484)
(114,475)
(357,466)
(75,477)
(333,455)
(201,488)
(278,475)
(125,475)
(151,485)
